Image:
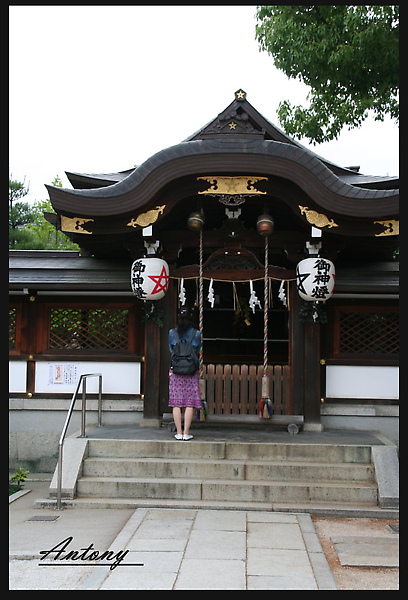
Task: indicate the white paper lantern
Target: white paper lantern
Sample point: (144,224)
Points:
(315,278)
(149,278)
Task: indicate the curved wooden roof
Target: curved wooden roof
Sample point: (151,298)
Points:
(239,141)
(200,157)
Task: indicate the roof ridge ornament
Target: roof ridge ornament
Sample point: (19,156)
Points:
(234,120)
(240,95)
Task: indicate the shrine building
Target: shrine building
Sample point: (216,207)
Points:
(231,212)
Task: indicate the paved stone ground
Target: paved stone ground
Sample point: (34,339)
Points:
(376,574)
(219,550)
(225,549)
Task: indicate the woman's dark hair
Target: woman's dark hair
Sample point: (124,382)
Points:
(184,319)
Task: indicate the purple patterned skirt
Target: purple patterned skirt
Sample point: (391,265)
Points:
(184,390)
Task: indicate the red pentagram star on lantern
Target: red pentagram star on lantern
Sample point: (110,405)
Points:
(160,287)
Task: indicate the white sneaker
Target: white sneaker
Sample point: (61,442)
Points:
(179,436)
(187,436)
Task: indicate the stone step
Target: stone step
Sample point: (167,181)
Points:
(229,450)
(226,469)
(234,422)
(334,509)
(238,491)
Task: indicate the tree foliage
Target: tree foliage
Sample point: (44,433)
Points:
(28,229)
(20,215)
(347,54)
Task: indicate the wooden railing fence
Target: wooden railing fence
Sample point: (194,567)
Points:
(236,389)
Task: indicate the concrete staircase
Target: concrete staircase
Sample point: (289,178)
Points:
(226,474)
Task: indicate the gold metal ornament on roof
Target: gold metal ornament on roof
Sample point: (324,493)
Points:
(391,227)
(232,185)
(317,219)
(74,224)
(147,218)
(240,95)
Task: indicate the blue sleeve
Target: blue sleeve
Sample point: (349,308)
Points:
(197,341)
(172,340)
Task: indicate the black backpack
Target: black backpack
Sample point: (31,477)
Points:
(184,360)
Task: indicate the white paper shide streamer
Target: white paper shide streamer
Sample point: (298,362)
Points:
(210,295)
(253,299)
(282,293)
(182,294)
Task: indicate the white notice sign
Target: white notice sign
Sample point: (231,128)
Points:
(63,373)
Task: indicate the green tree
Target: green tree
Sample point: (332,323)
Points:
(50,237)
(28,228)
(349,57)
(20,215)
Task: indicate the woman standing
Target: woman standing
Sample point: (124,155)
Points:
(184,390)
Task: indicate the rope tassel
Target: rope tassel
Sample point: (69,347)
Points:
(265,407)
(202,412)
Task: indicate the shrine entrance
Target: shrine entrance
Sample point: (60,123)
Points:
(238,203)
(233,347)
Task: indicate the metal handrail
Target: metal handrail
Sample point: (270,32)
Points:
(83,423)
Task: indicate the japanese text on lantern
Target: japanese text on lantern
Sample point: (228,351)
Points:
(321,278)
(137,280)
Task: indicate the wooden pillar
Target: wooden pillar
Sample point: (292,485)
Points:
(312,386)
(296,348)
(151,412)
(169,321)
(32,331)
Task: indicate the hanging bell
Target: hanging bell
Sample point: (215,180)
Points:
(265,225)
(195,221)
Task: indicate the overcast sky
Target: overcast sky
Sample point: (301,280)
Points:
(99,89)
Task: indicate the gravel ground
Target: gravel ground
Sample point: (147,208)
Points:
(356,578)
